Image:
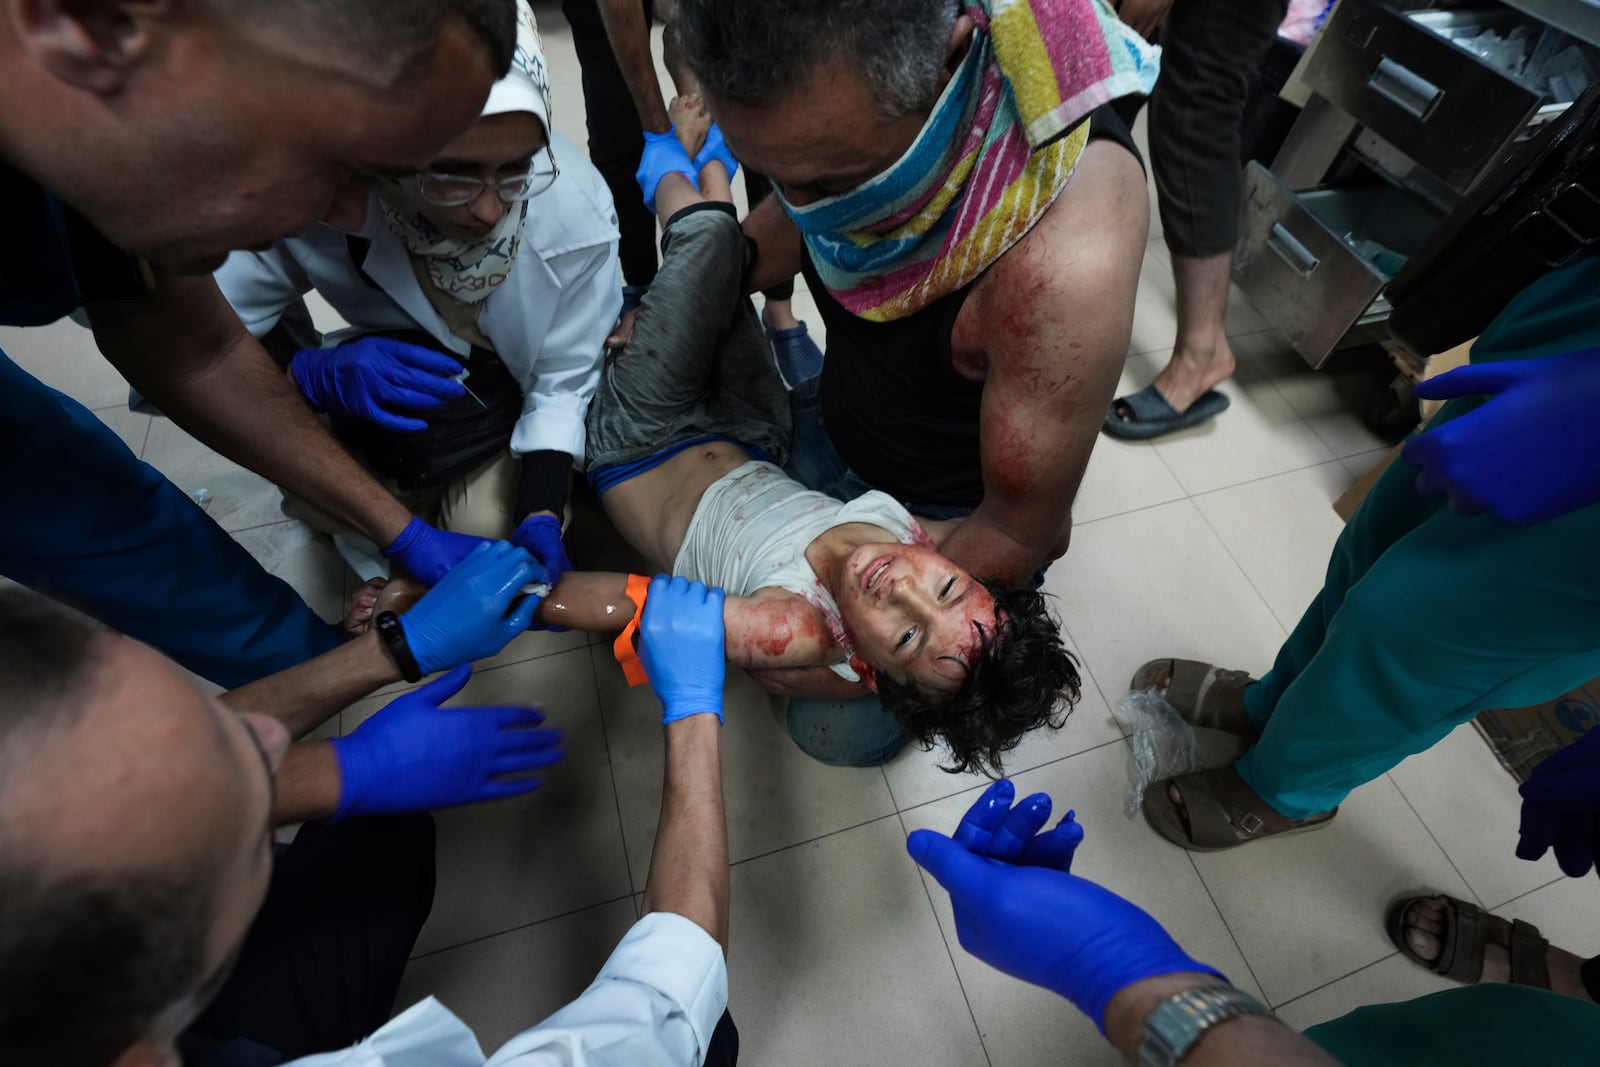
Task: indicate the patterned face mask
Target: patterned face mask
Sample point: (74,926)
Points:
(996,151)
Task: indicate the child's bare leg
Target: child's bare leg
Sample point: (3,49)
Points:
(691,120)
(715,184)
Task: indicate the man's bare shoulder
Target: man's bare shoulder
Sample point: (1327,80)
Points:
(1080,261)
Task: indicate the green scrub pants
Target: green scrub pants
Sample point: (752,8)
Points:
(1428,617)
(1490,1025)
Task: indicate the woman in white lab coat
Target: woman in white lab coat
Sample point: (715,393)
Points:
(499,263)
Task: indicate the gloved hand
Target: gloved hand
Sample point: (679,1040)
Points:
(1561,806)
(468,615)
(681,646)
(1040,923)
(1530,453)
(414,755)
(374,378)
(541,536)
(428,554)
(663,155)
(716,148)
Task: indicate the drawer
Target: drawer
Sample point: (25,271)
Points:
(1401,76)
(1314,262)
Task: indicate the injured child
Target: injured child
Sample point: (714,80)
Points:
(824,598)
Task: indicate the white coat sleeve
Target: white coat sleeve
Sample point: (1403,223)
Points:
(563,379)
(655,1003)
(261,286)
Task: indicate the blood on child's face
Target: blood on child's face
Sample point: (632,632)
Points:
(913,614)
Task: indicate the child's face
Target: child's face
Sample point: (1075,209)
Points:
(913,614)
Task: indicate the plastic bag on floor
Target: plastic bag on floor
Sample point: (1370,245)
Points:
(1160,746)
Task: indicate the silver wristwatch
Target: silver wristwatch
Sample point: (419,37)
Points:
(1171,1030)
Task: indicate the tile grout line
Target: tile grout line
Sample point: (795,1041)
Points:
(949,953)
(1434,838)
(521,926)
(1332,981)
(1225,924)
(1025,770)
(1285,627)
(616,798)
(1529,893)
(812,840)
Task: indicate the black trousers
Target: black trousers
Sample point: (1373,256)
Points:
(616,143)
(1210,51)
(322,963)
(616,136)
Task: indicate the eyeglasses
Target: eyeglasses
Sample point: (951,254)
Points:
(454,190)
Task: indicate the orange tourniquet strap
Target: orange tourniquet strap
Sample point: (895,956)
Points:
(638,588)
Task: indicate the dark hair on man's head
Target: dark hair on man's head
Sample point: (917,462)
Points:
(385,40)
(1022,678)
(758,51)
(89,962)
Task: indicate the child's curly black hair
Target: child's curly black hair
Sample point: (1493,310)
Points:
(1022,678)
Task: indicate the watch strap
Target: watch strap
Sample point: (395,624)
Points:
(1177,1023)
(393,636)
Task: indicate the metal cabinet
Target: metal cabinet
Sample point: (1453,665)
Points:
(1402,121)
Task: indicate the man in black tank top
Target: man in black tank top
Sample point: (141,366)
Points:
(988,400)
(985,402)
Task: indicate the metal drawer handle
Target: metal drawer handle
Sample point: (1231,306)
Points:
(1291,251)
(1405,89)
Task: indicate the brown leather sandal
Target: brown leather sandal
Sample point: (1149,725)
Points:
(1219,812)
(1203,695)
(1468,929)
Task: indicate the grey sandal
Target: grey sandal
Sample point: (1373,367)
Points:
(1203,695)
(1468,929)
(1219,812)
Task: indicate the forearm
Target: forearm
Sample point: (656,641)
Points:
(629,34)
(689,866)
(1009,552)
(308,784)
(776,246)
(306,696)
(1236,1042)
(244,407)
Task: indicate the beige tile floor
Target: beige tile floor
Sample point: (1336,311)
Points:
(1208,544)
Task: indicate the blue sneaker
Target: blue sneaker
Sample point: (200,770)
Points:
(799,358)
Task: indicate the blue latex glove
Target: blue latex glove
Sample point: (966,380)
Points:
(469,615)
(414,755)
(663,155)
(428,554)
(1530,453)
(682,649)
(716,148)
(1028,917)
(541,536)
(376,379)
(1561,806)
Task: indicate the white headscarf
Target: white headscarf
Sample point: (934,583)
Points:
(468,271)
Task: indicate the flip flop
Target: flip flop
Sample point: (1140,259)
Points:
(1219,812)
(1467,930)
(799,358)
(1202,695)
(1152,416)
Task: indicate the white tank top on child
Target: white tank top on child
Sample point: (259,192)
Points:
(754,524)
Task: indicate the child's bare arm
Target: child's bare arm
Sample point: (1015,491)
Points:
(773,628)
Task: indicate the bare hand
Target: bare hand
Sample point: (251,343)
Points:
(621,331)
(1144,16)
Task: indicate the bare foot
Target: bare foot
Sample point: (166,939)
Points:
(362,607)
(689,115)
(1424,930)
(379,595)
(1188,374)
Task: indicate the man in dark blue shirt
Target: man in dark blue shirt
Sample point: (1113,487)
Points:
(139,144)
